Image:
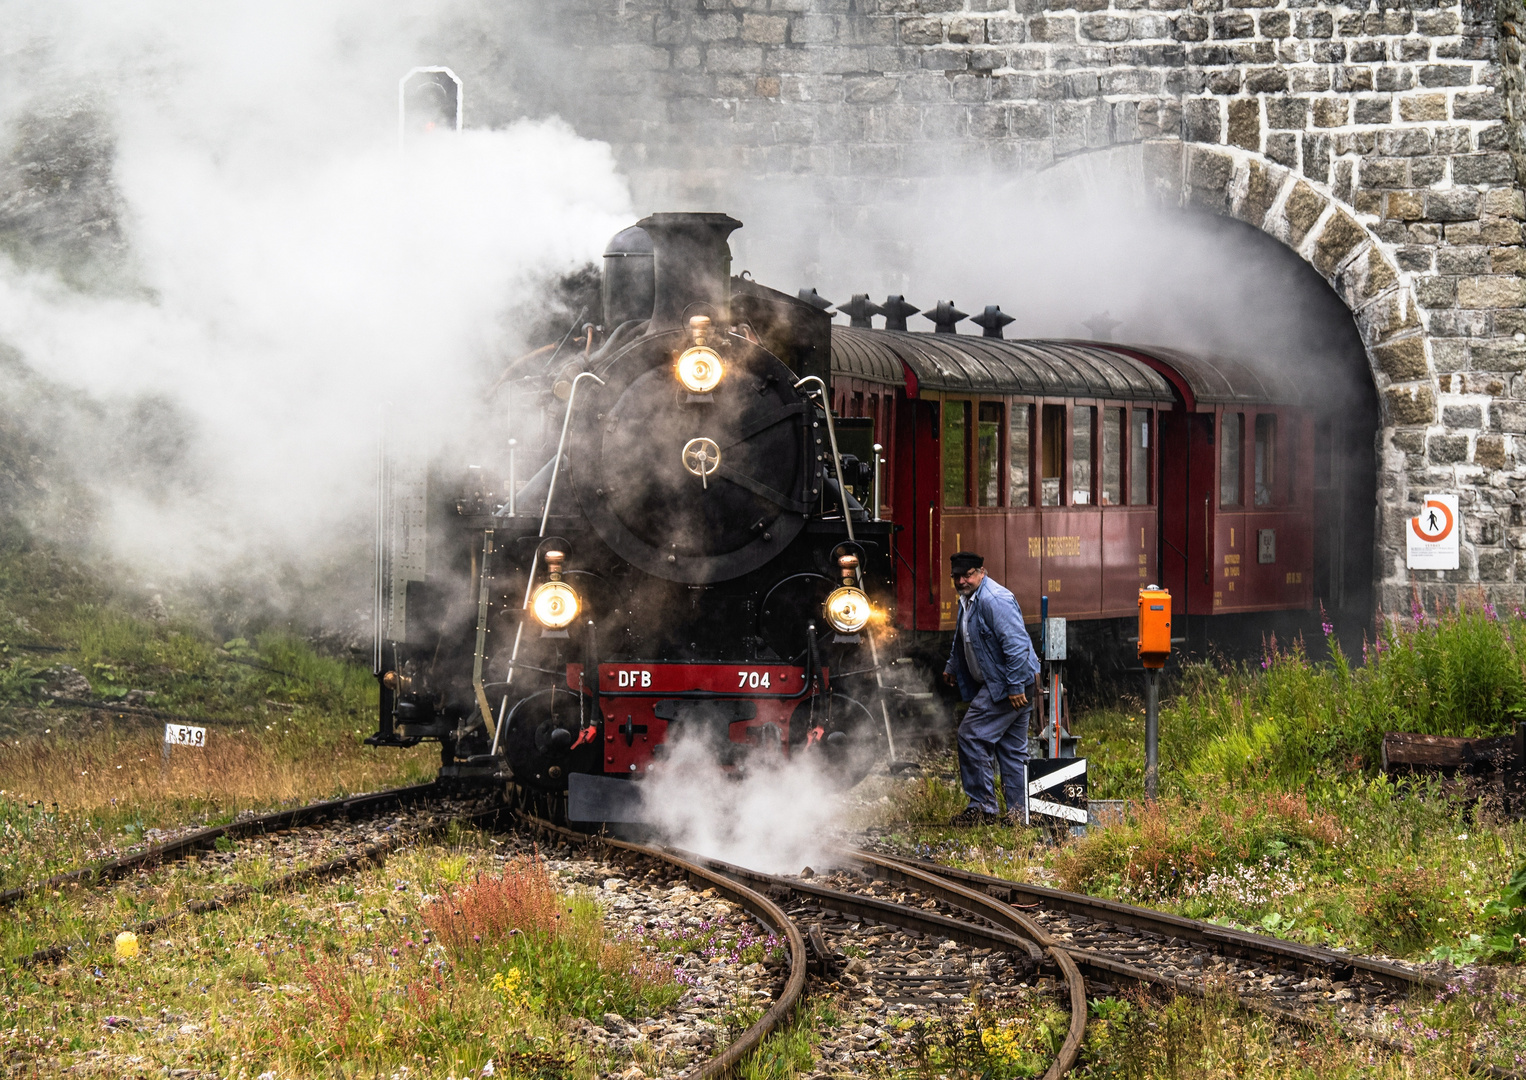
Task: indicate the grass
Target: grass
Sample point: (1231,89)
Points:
(1273,814)
(1205,1039)
(446,958)
(1000,1045)
(285,722)
(788,1051)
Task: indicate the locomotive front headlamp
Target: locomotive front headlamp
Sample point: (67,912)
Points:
(848,610)
(699,369)
(554,603)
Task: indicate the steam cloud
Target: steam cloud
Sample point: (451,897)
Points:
(778,817)
(288,271)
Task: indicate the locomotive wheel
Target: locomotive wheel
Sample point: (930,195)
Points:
(539,734)
(842,731)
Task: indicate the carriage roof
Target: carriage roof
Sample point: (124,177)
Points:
(963,363)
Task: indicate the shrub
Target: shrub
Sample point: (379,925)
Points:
(1224,854)
(485,912)
(1287,719)
(518,921)
(1509,914)
(1403,909)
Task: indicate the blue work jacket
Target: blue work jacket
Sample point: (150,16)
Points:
(1001,643)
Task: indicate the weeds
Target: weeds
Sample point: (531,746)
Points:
(1002,1045)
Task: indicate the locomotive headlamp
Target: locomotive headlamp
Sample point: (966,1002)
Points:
(554,603)
(848,610)
(699,369)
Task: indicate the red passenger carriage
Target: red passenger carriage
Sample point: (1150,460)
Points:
(1083,471)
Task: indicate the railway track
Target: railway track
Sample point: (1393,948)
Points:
(337,816)
(1317,990)
(353,808)
(875,889)
(1119,942)
(987,933)
(1098,944)
(758,905)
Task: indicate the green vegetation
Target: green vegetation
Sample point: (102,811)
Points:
(788,1051)
(441,961)
(285,723)
(1005,1045)
(1273,814)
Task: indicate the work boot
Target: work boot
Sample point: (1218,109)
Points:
(972,815)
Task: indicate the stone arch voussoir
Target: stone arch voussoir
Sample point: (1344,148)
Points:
(1329,235)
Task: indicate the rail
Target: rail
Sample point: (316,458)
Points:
(758,904)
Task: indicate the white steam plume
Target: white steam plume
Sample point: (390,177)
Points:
(778,817)
(292,270)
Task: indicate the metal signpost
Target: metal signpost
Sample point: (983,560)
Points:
(402,98)
(180,735)
(1154,647)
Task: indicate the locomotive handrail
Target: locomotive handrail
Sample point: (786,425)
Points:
(561,446)
(858,571)
(826,408)
(545,516)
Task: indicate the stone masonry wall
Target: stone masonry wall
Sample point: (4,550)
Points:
(1382,143)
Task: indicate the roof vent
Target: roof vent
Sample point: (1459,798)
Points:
(991,320)
(815,299)
(944,316)
(895,309)
(860,311)
(1102,326)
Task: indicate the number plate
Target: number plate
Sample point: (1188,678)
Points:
(181,735)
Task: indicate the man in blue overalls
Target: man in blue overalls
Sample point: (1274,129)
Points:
(993,664)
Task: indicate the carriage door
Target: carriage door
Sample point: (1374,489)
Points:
(917,484)
(1187,494)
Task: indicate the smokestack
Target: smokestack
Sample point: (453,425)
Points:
(693,266)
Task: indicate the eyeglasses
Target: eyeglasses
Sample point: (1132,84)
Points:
(960,575)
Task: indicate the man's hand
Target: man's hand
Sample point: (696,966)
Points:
(948,678)
(1018,700)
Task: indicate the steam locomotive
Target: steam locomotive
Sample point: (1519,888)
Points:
(732,524)
(688,558)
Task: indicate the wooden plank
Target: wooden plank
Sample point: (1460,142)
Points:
(1407,752)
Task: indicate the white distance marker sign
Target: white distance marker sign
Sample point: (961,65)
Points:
(181,735)
(1431,536)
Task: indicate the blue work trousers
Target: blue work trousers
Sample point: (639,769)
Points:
(995,728)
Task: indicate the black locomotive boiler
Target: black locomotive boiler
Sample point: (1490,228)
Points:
(669,545)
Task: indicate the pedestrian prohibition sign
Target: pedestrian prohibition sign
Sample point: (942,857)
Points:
(1431,536)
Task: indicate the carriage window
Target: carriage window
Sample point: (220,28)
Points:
(1139,459)
(1266,457)
(1019,421)
(1052,457)
(1112,457)
(988,455)
(1229,458)
(1081,455)
(956,426)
